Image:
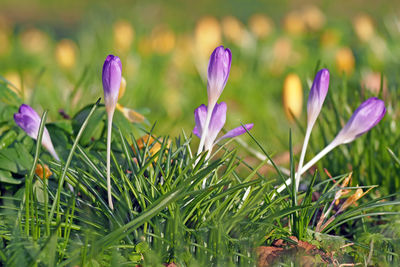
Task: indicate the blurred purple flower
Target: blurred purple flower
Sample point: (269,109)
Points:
(366,116)
(218,73)
(317,95)
(217,122)
(112,71)
(29,121)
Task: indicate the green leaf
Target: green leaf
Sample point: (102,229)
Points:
(93,127)
(6,177)
(7,139)
(39,191)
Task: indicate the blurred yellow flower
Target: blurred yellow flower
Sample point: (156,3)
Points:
(345,61)
(66,53)
(364,27)
(124,34)
(233,29)
(313,18)
(34,41)
(261,25)
(293,23)
(15,79)
(39,171)
(206,38)
(207,35)
(292,96)
(162,39)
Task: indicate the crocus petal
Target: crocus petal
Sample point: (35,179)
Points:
(236,132)
(26,109)
(317,95)
(366,116)
(111,76)
(218,73)
(217,121)
(46,142)
(200,116)
(29,121)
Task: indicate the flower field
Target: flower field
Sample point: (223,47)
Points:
(173,134)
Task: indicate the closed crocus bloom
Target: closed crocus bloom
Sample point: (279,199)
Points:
(112,75)
(317,95)
(29,121)
(112,71)
(316,99)
(366,116)
(218,73)
(217,122)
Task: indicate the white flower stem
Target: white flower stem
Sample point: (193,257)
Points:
(109,128)
(205,129)
(309,164)
(302,156)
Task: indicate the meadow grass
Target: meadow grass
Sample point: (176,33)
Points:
(173,206)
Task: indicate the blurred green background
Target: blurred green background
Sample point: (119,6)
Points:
(53,52)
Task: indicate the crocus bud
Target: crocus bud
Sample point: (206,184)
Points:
(366,116)
(218,73)
(29,121)
(112,71)
(317,95)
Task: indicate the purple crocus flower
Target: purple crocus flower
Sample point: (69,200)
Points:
(29,121)
(112,71)
(365,117)
(217,122)
(316,99)
(218,73)
(112,75)
(317,95)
